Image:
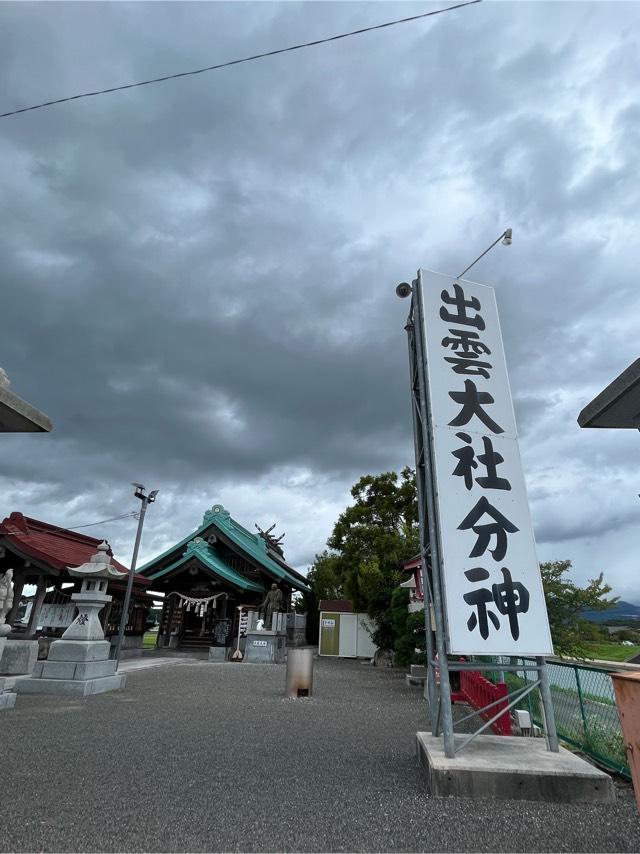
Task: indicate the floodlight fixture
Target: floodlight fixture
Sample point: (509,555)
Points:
(506,237)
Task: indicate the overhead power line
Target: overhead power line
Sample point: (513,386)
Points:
(239,61)
(103,521)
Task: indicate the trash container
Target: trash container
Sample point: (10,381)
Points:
(627,689)
(299,672)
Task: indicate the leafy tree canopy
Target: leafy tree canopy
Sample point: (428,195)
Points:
(566,602)
(369,543)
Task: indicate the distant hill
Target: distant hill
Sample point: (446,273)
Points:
(621,611)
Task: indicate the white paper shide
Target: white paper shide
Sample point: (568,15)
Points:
(494,602)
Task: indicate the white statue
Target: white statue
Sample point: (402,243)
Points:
(260,626)
(6,599)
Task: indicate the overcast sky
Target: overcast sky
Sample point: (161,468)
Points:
(198,276)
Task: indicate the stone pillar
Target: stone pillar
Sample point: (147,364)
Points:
(18,587)
(37,606)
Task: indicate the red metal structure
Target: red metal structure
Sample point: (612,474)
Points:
(480,692)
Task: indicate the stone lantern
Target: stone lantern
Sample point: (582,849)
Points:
(79,662)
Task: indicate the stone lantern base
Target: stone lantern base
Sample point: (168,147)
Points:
(79,668)
(78,663)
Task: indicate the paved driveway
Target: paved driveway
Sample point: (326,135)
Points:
(211,757)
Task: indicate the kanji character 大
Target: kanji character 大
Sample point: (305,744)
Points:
(471,400)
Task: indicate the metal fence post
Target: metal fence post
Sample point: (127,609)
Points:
(581,701)
(547,707)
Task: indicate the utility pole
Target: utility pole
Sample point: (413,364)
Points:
(124,615)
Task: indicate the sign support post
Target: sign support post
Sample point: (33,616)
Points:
(440,688)
(510,617)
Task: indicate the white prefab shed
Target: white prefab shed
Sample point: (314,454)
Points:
(344,634)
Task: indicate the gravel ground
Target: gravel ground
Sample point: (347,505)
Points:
(211,757)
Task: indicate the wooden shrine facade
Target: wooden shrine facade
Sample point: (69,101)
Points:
(39,554)
(206,577)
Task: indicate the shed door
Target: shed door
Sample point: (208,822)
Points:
(329,633)
(366,647)
(348,635)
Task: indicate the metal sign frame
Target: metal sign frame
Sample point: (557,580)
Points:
(438,666)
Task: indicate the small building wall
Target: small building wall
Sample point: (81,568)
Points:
(345,635)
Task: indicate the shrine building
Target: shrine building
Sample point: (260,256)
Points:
(212,571)
(40,554)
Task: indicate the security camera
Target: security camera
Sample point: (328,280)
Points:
(152,494)
(404,290)
(507,237)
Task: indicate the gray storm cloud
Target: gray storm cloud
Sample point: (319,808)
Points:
(198,277)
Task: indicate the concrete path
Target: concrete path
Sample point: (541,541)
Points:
(211,757)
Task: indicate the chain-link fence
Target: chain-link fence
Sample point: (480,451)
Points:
(584,705)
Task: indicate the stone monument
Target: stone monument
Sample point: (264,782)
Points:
(17,656)
(6,601)
(264,646)
(271,605)
(7,699)
(79,662)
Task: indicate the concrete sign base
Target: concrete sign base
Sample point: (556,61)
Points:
(265,647)
(511,767)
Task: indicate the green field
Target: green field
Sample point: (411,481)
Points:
(611,651)
(149,640)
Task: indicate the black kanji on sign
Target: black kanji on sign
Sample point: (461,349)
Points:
(461,304)
(467,347)
(467,462)
(511,598)
(472,400)
(480,599)
(465,366)
(466,343)
(491,460)
(499,529)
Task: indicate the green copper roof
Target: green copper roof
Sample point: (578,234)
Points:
(252,544)
(207,555)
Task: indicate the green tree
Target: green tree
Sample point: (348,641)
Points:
(566,602)
(408,629)
(324,580)
(371,540)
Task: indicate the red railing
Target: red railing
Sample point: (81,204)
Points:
(479,692)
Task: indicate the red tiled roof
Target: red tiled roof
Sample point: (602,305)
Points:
(57,547)
(337,606)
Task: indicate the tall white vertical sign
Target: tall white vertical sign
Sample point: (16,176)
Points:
(492,589)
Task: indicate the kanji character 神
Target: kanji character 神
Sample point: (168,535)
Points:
(511,598)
